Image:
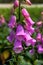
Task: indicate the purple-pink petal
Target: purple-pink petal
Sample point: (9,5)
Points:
(11,37)
(12,21)
(17,46)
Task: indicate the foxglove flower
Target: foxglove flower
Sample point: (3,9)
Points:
(42,40)
(2,20)
(28,2)
(30,29)
(29,21)
(12,21)
(40,49)
(16,3)
(39,37)
(25,13)
(39,23)
(11,37)
(17,46)
(20,32)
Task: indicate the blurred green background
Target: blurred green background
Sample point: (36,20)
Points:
(33,1)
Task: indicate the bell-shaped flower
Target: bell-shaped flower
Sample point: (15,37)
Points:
(30,29)
(12,21)
(39,23)
(25,13)
(28,2)
(2,20)
(31,42)
(11,37)
(16,4)
(39,37)
(27,36)
(29,21)
(20,32)
(17,46)
(42,40)
(40,49)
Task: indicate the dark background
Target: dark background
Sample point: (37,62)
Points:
(9,1)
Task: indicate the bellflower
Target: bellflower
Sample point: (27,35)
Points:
(40,49)
(11,37)
(30,29)
(25,13)
(2,20)
(20,32)
(29,21)
(17,46)
(28,2)
(16,3)
(42,40)
(29,40)
(39,37)
(39,23)
(12,21)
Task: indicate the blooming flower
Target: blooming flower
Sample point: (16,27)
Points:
(39,23)
(17,46)
(28,2)
(29,21)
(30,29)
(2,20)
(12,21)
(20,32)
(16,3)
(25,13)
(40,49)
(39,37)
(11,37)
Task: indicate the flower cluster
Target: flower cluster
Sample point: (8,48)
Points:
(23,33)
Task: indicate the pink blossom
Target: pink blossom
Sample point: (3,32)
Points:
(25,13)
(17,46)
(28,2)
(16,3)
(12,21)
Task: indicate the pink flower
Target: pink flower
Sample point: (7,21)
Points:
(11,37)
(29,21)
(28,2)
(39,37)
(39,23)
(16,3)
(12,21)
(2,19)
(40,49)
(17,46)
(30,29)
(20,32)
(25,13)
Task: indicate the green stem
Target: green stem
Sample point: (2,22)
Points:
(19,10)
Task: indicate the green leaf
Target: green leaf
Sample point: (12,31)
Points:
(38,62)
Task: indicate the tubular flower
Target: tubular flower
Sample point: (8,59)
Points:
(25,13)
(12,21)
(28,2)
(39,23)
(30,29)
(39,37)
(17,46)
(40,49)
(29,21)
(20,32)
(11,37)
(16,4)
